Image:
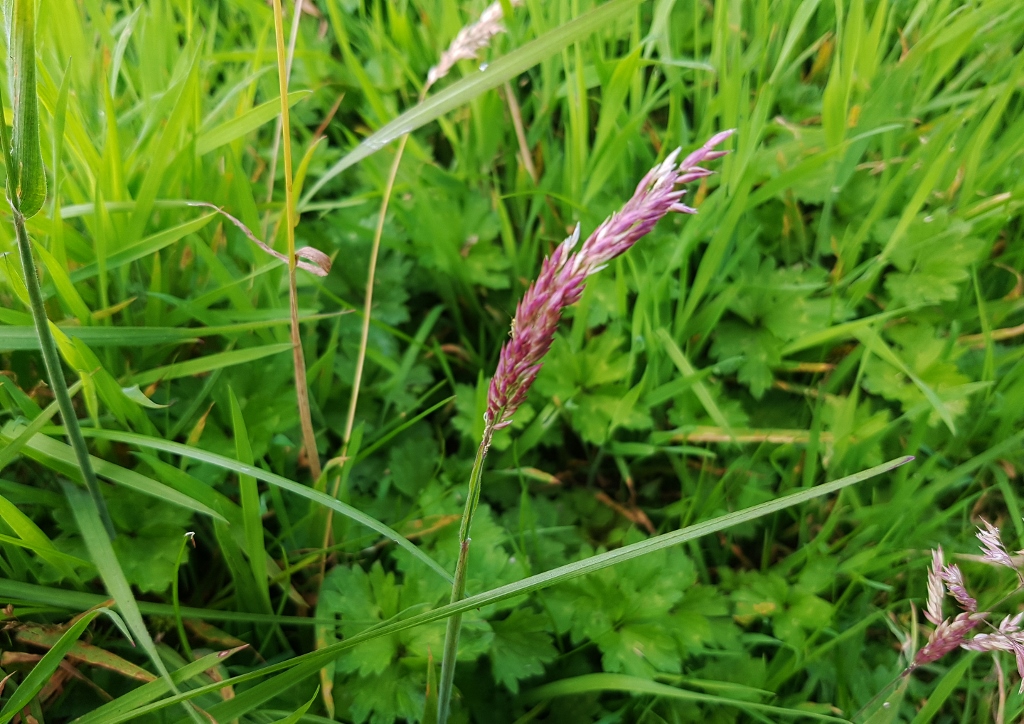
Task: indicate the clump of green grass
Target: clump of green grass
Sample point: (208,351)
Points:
(848,294)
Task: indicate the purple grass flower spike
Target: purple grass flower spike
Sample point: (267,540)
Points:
(954,581)
(993,549)
(564,274)
(947,636)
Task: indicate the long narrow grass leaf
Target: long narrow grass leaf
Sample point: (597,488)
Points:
(296,669)
(227,463)
(465,90)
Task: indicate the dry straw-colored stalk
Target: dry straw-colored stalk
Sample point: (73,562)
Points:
(298,358)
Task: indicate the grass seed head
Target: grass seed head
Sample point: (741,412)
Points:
(470,40)
(564,273)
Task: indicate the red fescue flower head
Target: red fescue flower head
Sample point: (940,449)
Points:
(952,633)
(564,273)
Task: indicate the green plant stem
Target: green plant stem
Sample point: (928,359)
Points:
(175,601)
(54,371)
(371,274)
(364,335)
(298,358)
(451,634)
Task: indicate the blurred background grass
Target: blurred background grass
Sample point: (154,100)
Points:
(850,291)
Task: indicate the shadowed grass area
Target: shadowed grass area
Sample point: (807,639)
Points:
(850,292)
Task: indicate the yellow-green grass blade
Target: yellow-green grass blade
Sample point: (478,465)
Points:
(249,121)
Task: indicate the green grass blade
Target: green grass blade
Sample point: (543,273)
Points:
(688,370)
(142,248)
(247,122)
(300,667)
(10,451)
(61,458)
(298,714)
(154,689)
(211,362)
(317,497)
(23,338)
(59,118)
(465,90)
(33,537)
(870,339)
(597,683)
(250,499)
(78,600)
(103,557)
(65,289)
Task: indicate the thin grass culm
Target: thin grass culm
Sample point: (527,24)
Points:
(560,285)
(298,358)
(26,191)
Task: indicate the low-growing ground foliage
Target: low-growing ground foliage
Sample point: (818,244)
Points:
(851,291)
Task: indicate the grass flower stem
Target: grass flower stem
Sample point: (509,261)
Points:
(364,339)
(454,626)
(275,148)
(298,358)
(54,371)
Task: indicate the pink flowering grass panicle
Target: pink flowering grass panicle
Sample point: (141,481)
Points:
(564,273)
(947,636)
(993,550)
(559,285)
(959,631)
